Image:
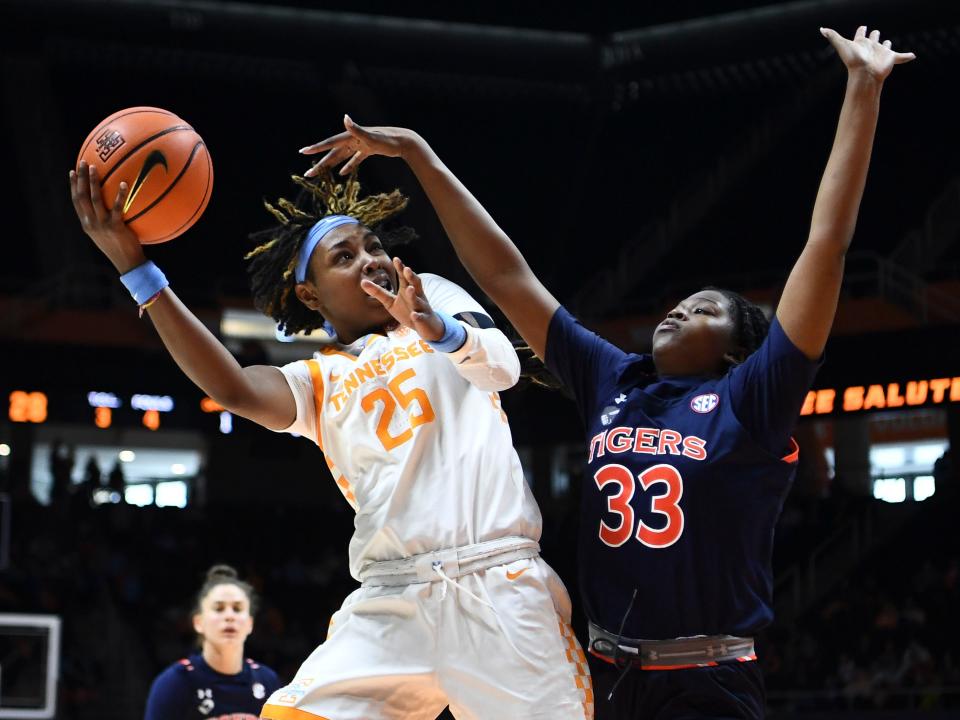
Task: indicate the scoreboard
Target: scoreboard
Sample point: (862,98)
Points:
(105,409)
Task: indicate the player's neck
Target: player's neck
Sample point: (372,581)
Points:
(225,660)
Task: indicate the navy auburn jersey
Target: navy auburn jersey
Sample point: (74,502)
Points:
(686,478)
(191,689)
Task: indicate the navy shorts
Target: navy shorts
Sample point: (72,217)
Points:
(731,691)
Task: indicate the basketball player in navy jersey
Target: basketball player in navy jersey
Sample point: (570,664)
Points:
(217,683)
(689,450)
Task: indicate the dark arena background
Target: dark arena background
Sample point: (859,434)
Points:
(634,152)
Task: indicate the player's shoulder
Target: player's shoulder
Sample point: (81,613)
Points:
(175,675)
(261,671)
(184,666)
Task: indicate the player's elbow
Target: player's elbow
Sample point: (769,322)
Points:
(502,376)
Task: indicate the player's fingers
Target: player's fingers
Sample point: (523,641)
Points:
(72,179)
(900,58)
(96,196)
(358,131)
(325,144)
(398,266)
(77,199)
(373,290)
(875,36)
(354,162)
(336,154)
(833,37)
(81,195)
(887,44)
(117,212)
(861,33)
(413,279)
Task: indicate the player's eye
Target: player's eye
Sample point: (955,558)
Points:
(343,257)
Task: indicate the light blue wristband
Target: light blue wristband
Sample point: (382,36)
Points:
(144,281)
(454,334)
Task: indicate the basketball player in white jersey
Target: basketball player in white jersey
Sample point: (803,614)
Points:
(455,606)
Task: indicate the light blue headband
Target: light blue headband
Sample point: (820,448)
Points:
(316,234)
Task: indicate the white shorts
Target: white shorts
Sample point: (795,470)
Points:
(408,652)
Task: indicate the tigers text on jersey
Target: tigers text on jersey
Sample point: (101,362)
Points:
(686,478)
(415,438)
(190,689)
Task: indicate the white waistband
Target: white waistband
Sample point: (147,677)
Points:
(453,562)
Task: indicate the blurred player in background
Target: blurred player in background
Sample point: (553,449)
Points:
(456,607)
(217,682)
(689,450)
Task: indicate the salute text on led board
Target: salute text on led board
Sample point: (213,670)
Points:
(889,396)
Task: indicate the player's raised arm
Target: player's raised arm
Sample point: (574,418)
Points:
(484,249)
(259,393)
(809,300)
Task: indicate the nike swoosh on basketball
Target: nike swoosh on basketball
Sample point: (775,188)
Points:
(152,160)
(515,575)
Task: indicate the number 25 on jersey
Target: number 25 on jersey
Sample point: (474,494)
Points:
(666,504)
(389,397)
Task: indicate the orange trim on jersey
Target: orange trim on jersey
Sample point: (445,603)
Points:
(792,456)
(275,712)
(332,351)
(578,660)
(317,378)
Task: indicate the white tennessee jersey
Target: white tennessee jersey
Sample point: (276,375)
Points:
(423,454)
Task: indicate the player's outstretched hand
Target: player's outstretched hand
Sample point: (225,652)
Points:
(865,53)
(105,227)
(356,144)
(409,306)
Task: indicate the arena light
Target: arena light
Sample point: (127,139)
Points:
(891,490)
(4,450)
(158,403)
(209,405)
(103,400)
(924,486)
(127,456)
(178,468)
(250,325)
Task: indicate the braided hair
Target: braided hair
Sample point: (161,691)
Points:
(273,261)
(750,325)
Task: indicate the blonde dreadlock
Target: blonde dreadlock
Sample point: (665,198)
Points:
(274,259)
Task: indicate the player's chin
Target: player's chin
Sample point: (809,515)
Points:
(376,314)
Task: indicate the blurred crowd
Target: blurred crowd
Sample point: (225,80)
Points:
(123,579)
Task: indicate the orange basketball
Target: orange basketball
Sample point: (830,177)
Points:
(163,161)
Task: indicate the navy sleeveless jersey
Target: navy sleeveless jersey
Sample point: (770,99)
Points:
(686,478)
(191,689)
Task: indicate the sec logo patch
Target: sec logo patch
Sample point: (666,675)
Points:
(704,403)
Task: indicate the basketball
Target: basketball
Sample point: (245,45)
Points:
(165,164)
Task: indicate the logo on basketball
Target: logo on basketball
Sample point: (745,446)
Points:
(704,403)
(108,142)
(154,159)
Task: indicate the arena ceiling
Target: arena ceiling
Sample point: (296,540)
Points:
(633,151)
